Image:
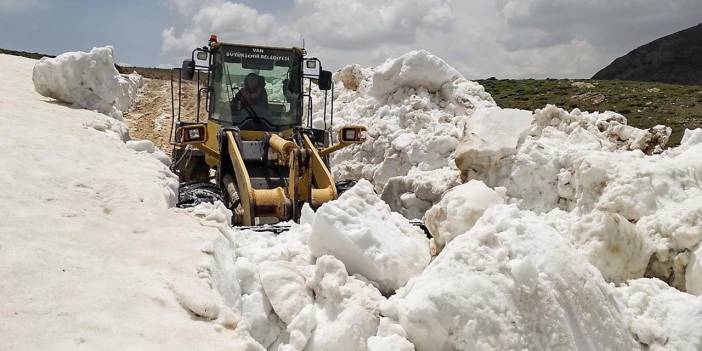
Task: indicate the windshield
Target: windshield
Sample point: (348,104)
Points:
(252,85)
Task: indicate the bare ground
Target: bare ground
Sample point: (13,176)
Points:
(150,118)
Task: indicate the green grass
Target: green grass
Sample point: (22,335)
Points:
(645,104)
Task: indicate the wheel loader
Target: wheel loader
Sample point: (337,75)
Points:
(258,150)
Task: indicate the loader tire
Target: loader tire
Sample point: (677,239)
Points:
(193,194)
(344,185)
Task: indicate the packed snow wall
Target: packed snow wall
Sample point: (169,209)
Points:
(87,80)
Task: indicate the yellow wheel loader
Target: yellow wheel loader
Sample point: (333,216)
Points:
(257,151)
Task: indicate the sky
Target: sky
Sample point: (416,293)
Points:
(480,38)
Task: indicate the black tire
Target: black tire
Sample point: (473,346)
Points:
(193,194)
(344,185)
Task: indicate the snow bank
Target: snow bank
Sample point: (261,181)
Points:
(511,282)
(416,108)
(88,242)
(361,231)
(87,80)
(663,318)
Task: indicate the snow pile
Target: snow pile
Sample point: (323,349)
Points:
(87,80)
(627,204)
(348,229)
(509,281)
(663,318)
(288,292)
(630,207)
(415,107)
(512,282)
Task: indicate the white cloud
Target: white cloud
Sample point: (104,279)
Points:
(367,24)
(503,38)
(232,22)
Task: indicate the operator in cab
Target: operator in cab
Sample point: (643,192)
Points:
(252,97)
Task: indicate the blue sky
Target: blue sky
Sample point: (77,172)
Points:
(481,38)
(134,27)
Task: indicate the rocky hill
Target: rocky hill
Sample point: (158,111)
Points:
(676,59)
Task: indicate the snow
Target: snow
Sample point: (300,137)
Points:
(612,244)
(414,69)
(87,80)
(350,229)
(459,209)
(88,242)
(415,108)
(490,142)
(511,282)
(663,318)
(693,274)
(627,204)
(544,224)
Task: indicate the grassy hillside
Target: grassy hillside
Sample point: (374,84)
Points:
(644,104)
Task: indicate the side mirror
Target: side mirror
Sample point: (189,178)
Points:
(191,134)
(187,71)
(325,80)
(352,134)
(202,55)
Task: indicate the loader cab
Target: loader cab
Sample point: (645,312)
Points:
(256,88)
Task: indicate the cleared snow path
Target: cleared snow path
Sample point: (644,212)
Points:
(88,244)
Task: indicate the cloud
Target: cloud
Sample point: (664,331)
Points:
(233,22)
(188,7)
(503,38)
(544,23)
(369,24)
